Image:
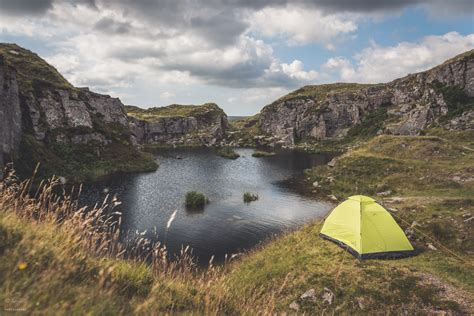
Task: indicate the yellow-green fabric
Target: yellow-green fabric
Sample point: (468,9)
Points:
(365,226)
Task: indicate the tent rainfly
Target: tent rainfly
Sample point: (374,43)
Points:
(366,230)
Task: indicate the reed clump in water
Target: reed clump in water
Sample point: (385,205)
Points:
(261,153)
(228,152)
(250,197)
(196,199)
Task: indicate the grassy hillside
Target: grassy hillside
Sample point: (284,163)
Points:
(320,92)
(428,179)
(32,71)
(81,162)
(174,110)
(243,131)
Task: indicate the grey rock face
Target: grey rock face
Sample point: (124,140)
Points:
(75,110)
(111,109)
(412,102)
(205,129)
(57,109)
(10,114)
(463,122)
(52,111)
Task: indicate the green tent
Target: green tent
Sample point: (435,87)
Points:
(366,229)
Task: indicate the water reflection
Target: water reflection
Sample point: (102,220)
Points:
(226,225)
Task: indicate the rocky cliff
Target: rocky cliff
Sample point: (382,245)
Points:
(69,130)
(175,125)
(10,113)
(404,106)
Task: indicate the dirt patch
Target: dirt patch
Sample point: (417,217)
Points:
(448,292)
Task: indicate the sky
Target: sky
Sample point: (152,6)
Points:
(240,54)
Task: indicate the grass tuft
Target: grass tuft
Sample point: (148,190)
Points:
(196,199)
(260,153)
(228,152)
(250,197)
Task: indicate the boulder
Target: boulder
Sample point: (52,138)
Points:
(332,163)
(309,295)
(294,306)
(328,296)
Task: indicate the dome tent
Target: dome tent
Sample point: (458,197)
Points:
(366,230)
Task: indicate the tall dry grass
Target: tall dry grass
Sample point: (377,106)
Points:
(96,230)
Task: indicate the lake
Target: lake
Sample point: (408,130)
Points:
(226,225)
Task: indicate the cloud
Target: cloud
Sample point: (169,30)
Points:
(342,65)
(244,101)
(167,95)
(300,25)
(221,28)
(289,75)
(454,7)
(116,46)
(178,12)
(381,64)
(118,59)
(28,7)
(110,25)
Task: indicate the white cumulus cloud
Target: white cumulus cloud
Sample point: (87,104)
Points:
(167,95)
(382,64)
(302,25)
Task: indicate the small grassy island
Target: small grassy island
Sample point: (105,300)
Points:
(250,197)
(228,152)
(196,199)
(261,153)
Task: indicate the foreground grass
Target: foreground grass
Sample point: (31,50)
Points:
(75,263)
(65,274)
(283,269)
(61,276)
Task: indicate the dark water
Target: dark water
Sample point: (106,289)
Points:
(226,225)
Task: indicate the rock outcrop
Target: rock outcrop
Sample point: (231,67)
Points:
(38,105)
(72,115)
(175,125)
(330,111)
(10,113)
